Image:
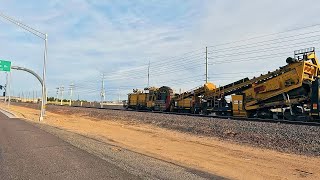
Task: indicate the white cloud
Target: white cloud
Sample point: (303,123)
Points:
(90,37)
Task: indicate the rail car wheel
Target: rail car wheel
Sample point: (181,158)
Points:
(195,111)
(205,111)
(296,113)
(261,113)
(288,116)
(171,109)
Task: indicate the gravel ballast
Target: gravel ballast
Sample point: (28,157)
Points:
(298,139)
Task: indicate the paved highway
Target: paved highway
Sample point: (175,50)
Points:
(27,152)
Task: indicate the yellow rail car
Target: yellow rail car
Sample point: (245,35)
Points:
(190,101)
(157,99)
(290,92)
(293,89)
(137,100)
(183,105)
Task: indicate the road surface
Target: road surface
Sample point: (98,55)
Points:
(27,152)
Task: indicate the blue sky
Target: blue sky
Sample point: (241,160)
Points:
(119,38)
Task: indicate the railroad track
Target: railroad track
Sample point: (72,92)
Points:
(306,123)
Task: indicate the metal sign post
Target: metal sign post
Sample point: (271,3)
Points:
(6,67)
(9,88)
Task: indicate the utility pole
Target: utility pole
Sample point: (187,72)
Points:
(44,37)
(206,64)
(5,90)
(61,90)
(149,74)
(9,89)
(103,91)
(71,91)
(58,91)
(119,96)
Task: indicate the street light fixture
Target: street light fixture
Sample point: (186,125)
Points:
(44,37)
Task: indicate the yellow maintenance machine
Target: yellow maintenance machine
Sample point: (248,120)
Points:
(151,98)
(291,92)
(189,101)
(137,100)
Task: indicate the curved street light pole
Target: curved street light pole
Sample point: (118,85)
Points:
(18,68)
(44,37)
(44,92)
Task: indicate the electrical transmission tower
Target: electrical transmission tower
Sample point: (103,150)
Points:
(71,91)
(58,91)
(61,92)
(206,64)
(103,90)
(148,75)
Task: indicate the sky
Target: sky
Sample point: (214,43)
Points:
(91,39)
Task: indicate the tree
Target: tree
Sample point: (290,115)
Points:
(51,99)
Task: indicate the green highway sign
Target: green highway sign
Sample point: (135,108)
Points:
(5,65)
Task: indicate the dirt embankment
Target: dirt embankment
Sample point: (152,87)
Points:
(142,133)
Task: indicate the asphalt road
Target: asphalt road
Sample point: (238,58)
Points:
(27,152)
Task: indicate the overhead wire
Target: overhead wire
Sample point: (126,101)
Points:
(264,49)
(181,64)
(163,62)
(168,66)
(193,61)
(266,35)
(257,44)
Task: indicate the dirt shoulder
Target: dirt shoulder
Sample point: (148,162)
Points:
(287,138)
(209,154)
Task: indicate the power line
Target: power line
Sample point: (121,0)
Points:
(246,58)
(158,74)
(180,65)
(162,62)
(243,53)
(263,49)
(266,35)
(168,66)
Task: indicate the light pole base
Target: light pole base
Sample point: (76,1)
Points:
(41,118)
